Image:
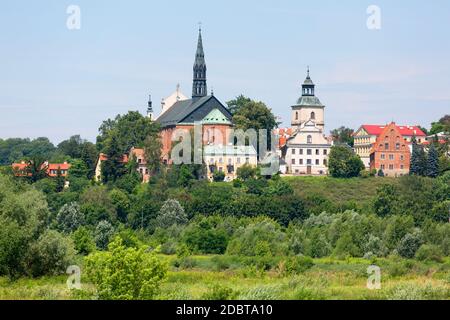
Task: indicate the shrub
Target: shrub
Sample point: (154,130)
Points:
(298,264)
(103,234)
(125,273)
(258,239)
(218,176)
(429,253)
(51,254)
(83,241)
(219,293)
(70,217)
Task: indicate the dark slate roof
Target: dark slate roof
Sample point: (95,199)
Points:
(192,110)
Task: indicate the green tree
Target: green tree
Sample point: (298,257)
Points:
(83,241)
(250,114)
(113,167)
(418,164)
(103,234)
(130,130)
(443,125)
(70,217)
(386,200)
(246,172)
(153,147)
(409,245)
(171,213)
(51,254)
(433,163)
(125,273)
(343,163)
(36,169)
(343,135)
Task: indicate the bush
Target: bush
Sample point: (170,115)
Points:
(125,273)
(103,234)
(70,218)
(429,253)
(219,293)
(51,254)
(263,238)
(218,176)
(296,265)
(84,241)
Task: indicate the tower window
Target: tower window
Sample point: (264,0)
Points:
(313,116)
(296,116)
(309,140)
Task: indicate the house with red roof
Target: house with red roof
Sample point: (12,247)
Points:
(367,135)
(52,169)
(136,153)
(391,152)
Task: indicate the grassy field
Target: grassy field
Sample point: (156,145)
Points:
(327,279)
(340,191)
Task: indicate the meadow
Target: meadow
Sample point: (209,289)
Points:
(223,278)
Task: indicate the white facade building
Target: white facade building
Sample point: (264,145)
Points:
(308,148)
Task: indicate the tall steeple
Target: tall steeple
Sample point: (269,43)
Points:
(150,108)
(199,88)
(308,86)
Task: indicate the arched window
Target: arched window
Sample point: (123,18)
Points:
(313,116)
(309,140)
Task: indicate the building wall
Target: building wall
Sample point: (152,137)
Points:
(211,134)
(302,114)
(308,159)
(391,153)
(221,163)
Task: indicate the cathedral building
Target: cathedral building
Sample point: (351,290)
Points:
(204,109)
(307,149)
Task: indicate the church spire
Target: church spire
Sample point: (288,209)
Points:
(199,88)
(308,86)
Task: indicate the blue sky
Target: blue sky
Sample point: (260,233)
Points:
(56,83)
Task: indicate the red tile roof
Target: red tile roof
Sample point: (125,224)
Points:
(404,130)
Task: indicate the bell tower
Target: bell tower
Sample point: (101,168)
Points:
(308,107)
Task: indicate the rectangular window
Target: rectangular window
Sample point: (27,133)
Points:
(402,167)
(301,151)
(383,156)
(317,162)
(391,157)
(309,152)
(325,162)
(383,167)
(293,151)
(386,146)
(402,157)
(325,152)
(317,152)
(301,161)
(293,161)
(397,146)
(391,167)
(309,162)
